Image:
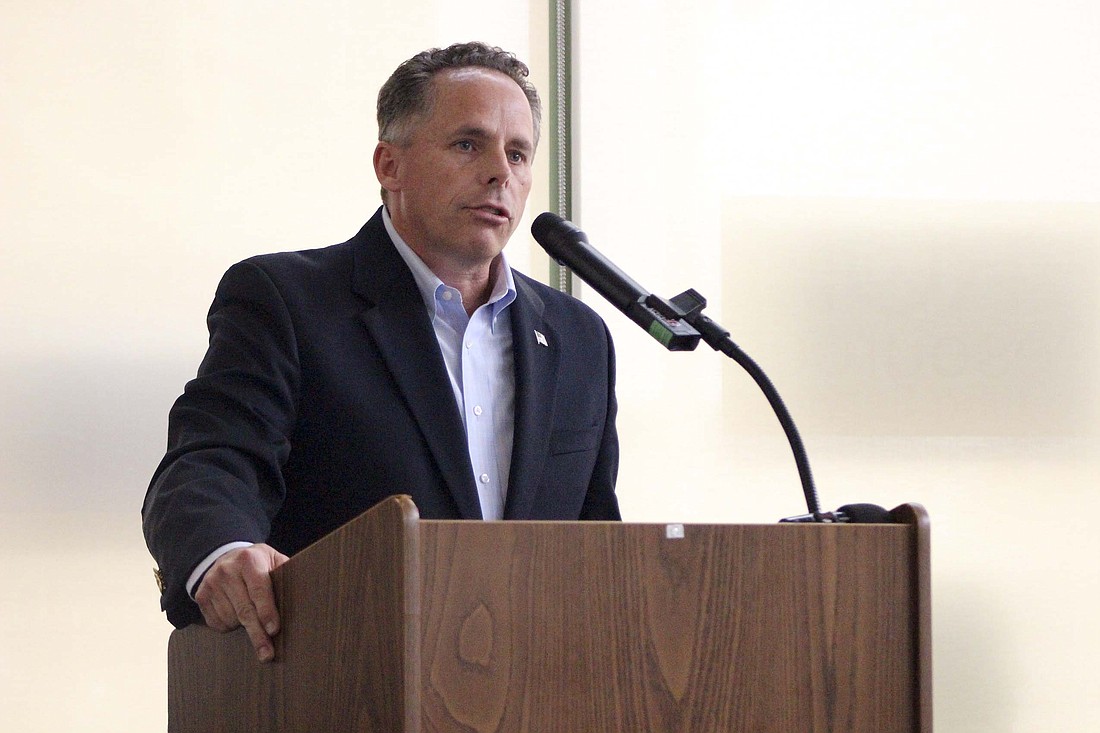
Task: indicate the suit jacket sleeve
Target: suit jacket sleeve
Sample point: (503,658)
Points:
(600,503)
(228,437)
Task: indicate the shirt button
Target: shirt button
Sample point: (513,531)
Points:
(478,410)
(447,295)
(484,478)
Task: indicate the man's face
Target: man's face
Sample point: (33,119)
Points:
(456,192)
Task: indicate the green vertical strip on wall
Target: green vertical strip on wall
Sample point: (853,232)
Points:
(561,151)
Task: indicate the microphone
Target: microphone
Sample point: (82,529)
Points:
(848,514)
(567,244)
(679,324)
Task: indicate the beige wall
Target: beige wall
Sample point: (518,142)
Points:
(145,147)
(895,209)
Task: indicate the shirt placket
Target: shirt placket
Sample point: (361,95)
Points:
(478,414)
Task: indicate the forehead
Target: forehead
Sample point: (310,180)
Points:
(477,95)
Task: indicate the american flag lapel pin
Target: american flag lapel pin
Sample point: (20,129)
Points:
(540,339)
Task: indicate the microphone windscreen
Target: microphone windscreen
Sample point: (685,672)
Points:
(555,233)
(865,514)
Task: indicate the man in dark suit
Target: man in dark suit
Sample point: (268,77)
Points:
(409,359)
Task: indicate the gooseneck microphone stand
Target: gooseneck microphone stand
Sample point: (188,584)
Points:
(688,307)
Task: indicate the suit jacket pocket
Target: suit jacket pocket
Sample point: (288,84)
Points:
(574,441)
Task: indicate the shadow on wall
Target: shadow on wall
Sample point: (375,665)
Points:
(83,433)
(905,318)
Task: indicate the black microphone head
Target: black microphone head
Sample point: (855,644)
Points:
(565,242)
(554,233)
(864,514)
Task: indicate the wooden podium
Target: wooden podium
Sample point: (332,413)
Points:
(401,625)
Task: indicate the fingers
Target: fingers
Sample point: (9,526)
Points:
(263,604)
(245,609)
(237,591)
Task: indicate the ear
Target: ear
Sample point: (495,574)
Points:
(387,166)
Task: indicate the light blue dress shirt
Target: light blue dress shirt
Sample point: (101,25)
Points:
(477,350)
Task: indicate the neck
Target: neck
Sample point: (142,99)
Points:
(476,285)
(473,278)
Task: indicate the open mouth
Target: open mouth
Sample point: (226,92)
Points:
(495,211)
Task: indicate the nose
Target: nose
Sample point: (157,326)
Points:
(497,170)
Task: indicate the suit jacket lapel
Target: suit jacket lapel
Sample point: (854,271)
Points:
(399,325)
(536,368)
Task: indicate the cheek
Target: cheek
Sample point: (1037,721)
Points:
(437,192)
(523,182)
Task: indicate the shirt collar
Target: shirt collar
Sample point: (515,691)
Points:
(429,284)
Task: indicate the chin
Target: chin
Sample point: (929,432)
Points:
(488,250)
(487,244)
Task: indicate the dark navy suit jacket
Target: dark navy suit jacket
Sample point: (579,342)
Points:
(323,391)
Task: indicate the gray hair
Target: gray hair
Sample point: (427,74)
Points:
(407,96)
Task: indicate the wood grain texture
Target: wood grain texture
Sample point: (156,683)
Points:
(395,624)
(349,608)
(600,627)
(916,517)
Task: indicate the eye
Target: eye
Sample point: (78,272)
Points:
(464,145)
(517,157)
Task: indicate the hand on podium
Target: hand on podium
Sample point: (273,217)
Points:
(237,591)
